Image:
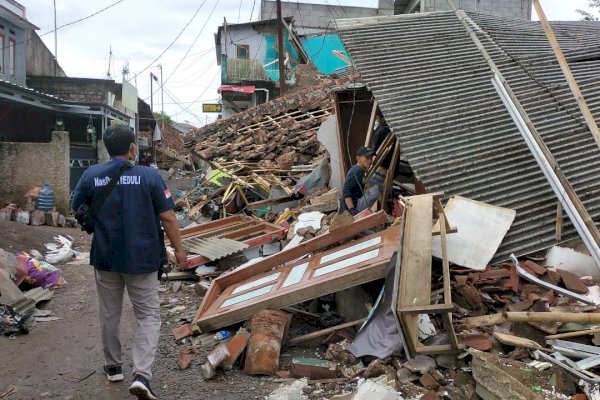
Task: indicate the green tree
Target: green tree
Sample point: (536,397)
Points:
(587,15)
(158,116)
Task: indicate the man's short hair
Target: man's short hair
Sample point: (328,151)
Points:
(118,139)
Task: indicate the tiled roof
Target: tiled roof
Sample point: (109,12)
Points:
(280,131)
(434,88)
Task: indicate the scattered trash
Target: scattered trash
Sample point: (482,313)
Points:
(13,323)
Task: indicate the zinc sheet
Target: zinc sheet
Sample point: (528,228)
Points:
(434,88)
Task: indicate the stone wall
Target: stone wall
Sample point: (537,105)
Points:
(26,165)
(74,89)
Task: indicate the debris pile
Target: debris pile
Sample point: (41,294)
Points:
(28,279)
(278,134)
(506,329)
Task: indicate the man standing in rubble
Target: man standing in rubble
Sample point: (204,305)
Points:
(128,251)
(355,198)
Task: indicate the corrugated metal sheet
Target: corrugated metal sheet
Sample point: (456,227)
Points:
(434,87)
(213,248)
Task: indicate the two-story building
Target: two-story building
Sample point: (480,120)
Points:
(248,55)
(46,136)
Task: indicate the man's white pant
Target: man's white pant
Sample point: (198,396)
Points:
(143,293)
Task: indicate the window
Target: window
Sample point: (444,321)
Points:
(11,56)
(243,51)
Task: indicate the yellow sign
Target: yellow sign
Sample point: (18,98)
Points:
(212,108)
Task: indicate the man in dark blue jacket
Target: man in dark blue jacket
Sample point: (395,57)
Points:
(354,185)
(128,251)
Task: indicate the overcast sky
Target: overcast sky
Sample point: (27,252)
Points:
(138,31)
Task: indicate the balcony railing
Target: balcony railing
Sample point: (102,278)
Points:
(240,69)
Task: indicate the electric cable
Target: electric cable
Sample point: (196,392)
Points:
(189,49)
(173,42)
(67,24)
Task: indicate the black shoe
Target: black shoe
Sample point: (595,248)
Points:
(114,373)
(141,388)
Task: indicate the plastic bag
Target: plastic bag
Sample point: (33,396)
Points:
(58,254)
(40,273)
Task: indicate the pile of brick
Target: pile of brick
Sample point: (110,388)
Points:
(280,133)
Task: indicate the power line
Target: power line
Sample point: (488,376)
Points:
(67,24)
(252,12)
(192,45)
(239,12)
(173,42)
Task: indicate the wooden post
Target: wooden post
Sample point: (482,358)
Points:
(280,49)
(389,176)
(564,65)
(371,122)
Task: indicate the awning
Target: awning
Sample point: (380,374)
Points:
(236,88)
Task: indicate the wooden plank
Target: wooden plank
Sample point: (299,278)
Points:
(269,202)
(179,275)
(389,177)
(300,339)
(382,153)
(198,207)
(415,273)
(516,341)
(567,335)
(564,66)
(436,349)
(581,318)
(371,123)
(484,320)
(444,225)
(206,227)
(426,309)
(307,247)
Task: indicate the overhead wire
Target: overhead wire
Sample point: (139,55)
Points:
(67,24)
(172,42)
(252,12)
(190,48)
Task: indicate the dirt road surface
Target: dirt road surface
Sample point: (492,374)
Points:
(63,360)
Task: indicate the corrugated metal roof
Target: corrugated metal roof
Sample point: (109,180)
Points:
(435,90)
(213,248)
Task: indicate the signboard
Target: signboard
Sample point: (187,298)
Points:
(212,108)
(129,96)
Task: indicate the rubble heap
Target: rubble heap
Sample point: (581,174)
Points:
(281,133)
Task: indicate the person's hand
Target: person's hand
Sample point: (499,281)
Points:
(181,258)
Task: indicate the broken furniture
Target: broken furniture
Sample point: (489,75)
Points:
(271,283)
(249,231)
(413,290)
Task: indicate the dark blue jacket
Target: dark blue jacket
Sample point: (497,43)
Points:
(128,237)
(353,186)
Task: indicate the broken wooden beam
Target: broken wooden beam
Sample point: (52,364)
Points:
(310,336)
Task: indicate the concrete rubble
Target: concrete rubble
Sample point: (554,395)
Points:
(483,322)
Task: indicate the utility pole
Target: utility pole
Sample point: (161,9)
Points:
(280,49)
(162,99)
(55,43)
(153,148)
